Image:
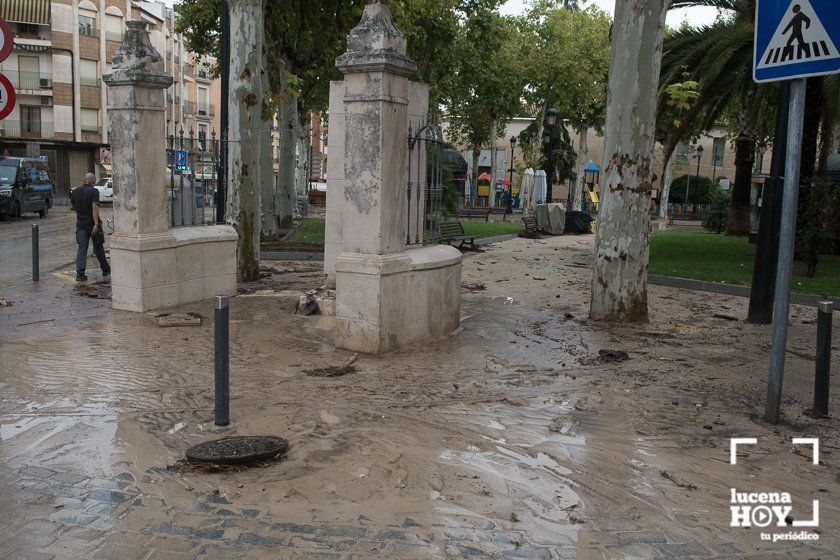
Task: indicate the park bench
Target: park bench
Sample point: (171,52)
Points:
(531,227)
(470,213)
(454,231)
(685,216)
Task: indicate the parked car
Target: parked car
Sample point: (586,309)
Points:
(25,186)
(105,186)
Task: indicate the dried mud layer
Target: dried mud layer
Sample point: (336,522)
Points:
(515,437)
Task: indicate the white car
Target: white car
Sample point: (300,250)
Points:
(105,187)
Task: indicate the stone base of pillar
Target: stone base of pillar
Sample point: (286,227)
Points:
(176,267)
(385,302)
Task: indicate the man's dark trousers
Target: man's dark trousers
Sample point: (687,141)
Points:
(83,237)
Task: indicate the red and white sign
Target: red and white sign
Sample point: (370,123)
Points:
(7,40)
(7,97)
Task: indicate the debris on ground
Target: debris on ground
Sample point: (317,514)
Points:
(179,320)
(5,303)
(725,316)
(97,290)
(334,371)
(473,286)
(612,356)
(316,302)
(686,485)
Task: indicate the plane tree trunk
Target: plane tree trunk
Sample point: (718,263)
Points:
(619,279)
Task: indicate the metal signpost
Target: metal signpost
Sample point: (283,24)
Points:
(181,160)
(794,39)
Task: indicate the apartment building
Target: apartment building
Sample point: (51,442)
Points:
(61,50)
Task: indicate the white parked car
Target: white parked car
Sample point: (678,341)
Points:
(105,187)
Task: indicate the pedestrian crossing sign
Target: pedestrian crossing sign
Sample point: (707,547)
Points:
(796,39)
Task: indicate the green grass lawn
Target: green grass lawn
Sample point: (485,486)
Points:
(718,258)
(312,230)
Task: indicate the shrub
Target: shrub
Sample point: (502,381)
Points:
(717,215)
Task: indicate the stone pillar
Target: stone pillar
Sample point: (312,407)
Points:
(154,266)
(382,289)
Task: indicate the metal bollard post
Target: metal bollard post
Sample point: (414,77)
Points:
(221,319)
(823,367)
(36,258)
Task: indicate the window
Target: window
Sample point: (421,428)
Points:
(682,152)
(90,121)
(87,23)
(30,121)
(28,29)
(718,147)
(88,72)
(202,136)
(202,101)
(29,71)
(113,27)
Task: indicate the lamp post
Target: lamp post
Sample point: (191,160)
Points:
(550,119)
(698,156)
(759,161)
(510,184)
(715,153)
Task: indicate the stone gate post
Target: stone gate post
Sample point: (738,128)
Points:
(154,266)
(387,296)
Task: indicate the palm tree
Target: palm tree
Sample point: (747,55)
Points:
(719,57)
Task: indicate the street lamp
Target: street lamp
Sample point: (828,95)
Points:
(698,156)
(510,184)
(762,146)
(550,119)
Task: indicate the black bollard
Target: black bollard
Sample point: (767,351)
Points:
(823,367)
(222,351)
(36,259)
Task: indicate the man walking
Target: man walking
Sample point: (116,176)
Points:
(84,201)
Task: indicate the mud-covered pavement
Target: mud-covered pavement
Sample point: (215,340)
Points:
(508,439)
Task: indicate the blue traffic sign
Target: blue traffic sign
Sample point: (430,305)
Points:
(181,161)
(796,39)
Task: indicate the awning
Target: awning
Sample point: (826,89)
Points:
(26,11)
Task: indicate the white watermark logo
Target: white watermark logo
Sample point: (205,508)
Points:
(771,508)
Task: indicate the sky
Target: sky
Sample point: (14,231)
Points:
(695,16)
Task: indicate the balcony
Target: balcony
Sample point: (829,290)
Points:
(30,80)
(207,110)
(189,108)
(89,81)
(203,74)
(116,36)
(91,129)
(16,129)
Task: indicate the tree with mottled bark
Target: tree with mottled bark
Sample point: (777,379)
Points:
(246,132)
(619,279)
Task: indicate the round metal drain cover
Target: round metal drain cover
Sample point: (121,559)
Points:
(237,450)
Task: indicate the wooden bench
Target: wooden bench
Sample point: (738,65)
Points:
(470,213)
(685,216)
(531,227)
(454,231)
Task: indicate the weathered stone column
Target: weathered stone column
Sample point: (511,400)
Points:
(137,119)
(386,296)
(153,266)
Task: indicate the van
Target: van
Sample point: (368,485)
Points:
(25,186)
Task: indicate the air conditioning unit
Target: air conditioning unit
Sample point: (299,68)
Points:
(45,83)
(46,101)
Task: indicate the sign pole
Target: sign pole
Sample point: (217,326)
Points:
(784,266)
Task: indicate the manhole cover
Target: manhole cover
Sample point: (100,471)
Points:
(237,450)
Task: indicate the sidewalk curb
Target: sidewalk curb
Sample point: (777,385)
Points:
(732,290)
(313,256)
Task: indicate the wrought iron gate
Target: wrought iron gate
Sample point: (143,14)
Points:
(193,179)
(425,183)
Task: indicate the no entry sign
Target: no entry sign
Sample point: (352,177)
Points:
(7,40)
(7,97)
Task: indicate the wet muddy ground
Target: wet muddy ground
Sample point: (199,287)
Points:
(512,438)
